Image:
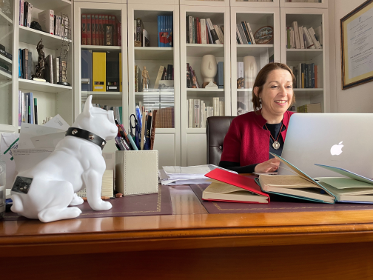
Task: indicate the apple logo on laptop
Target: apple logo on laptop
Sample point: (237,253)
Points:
(336,149)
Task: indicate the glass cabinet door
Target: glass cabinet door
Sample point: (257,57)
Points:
(7,116)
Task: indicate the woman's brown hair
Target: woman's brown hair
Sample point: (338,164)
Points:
(261,79)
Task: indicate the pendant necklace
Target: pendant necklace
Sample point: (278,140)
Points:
(276,145)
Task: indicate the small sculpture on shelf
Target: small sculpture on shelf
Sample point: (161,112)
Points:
(208,71)
(145,79)
(39,69)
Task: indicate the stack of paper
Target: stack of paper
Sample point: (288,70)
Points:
(181,175)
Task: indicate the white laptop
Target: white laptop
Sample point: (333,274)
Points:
(342,140)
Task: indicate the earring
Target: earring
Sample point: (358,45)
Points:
(260,100)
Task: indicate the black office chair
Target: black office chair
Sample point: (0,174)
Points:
(216,129)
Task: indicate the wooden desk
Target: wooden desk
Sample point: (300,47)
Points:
(192,244)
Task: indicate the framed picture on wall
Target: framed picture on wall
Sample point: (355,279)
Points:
(357,46)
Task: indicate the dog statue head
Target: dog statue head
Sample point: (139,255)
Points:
(97,121)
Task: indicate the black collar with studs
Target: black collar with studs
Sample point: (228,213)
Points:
(84,134)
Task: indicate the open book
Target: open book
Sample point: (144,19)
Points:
(299,186)
(352,188)
(231,187)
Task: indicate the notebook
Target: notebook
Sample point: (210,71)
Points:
(335,139)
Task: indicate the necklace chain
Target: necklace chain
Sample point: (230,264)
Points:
(276,145)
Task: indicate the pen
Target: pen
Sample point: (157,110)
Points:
(152,134)
(148,129)
(123,133)
(143,128)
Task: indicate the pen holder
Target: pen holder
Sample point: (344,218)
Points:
(136,172)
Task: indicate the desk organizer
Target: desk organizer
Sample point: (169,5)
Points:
(136,172)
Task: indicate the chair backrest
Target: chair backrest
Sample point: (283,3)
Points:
(216,129)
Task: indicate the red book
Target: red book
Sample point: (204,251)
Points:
(93,30)
(119,30)
(228,191)
(199,31)
(97,31)
(88,29)
(84,32)
(101,20)
(106,19)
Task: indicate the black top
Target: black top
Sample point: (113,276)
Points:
(274,129)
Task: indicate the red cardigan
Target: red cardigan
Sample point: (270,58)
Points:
(246,141)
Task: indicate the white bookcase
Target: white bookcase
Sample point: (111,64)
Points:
(52,99)
(255,3)
(109,98)
(263,53)
(304,4)
(167,137)
(308,17)
(193,140)
(213,3)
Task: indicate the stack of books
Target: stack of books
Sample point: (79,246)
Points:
(203,31)
(244,33)
(301,37)
(99,29)
(198,112)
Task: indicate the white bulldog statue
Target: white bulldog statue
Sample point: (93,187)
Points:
(45,191)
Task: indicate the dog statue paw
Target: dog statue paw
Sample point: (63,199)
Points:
(46,191)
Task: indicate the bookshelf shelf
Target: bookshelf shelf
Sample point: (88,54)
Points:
(103,95)
(254,50)
(244,89)
(4,19)
(5,76)
(101,48)
(154,53)
(317,90)
(204,89)
(31,36)
(199,50)
(42,86)
(51,4)
(302,54)
(196,130)
(5,59)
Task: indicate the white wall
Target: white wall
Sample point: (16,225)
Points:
(358,99)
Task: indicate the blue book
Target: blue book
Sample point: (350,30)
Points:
(31,107)
(220,75)
(159,30)
(20,55)
(171,31)
(86,74)
(162,29)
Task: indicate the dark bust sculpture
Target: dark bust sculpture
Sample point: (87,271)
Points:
(39,69)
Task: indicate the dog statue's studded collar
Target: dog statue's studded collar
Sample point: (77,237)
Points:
(91,137)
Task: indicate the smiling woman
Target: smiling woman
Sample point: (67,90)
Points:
(252,136)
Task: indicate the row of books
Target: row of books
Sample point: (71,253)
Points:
(203,31)
(99,29)
(25,11)
(27,108)
(244,33)
(301,37)
(49,22)
(305,75)
(53,71)
(165,31)
(101,71)
(198,112)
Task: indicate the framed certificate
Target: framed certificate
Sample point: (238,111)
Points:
(357,46)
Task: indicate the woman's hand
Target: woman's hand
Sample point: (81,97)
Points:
(267,166)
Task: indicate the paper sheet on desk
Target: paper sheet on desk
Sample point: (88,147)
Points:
(58,122)
(33,133)
(9,142)
(164,180)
